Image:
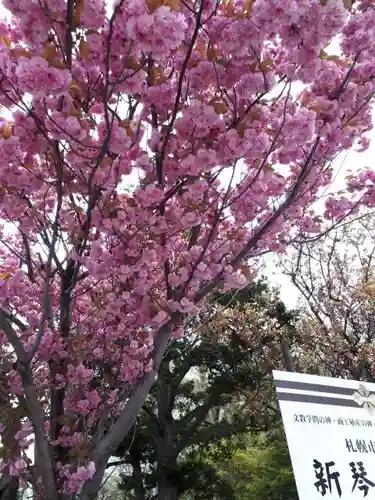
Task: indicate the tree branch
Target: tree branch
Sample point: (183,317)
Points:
(108,444)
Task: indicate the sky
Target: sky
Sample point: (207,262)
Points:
(348,160)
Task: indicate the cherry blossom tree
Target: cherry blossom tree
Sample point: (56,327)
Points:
(336,278)
(227,116)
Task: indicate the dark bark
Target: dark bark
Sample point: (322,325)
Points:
(138,480)
(167,490)
(165,450)
(286,355)
(9,488)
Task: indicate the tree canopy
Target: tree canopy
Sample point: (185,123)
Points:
(151,152)
(214,387)
(335,277)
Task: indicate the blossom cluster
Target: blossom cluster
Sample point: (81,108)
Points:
(148,150)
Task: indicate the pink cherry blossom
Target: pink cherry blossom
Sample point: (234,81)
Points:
(151,153)
(17,467)
(36,77)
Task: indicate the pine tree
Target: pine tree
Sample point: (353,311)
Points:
(213,386)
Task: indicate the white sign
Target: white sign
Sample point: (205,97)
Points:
(330,429)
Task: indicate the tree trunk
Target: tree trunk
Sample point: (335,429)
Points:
(166,454)
(167,490)
(9,488)
(138,480)
(286,355)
